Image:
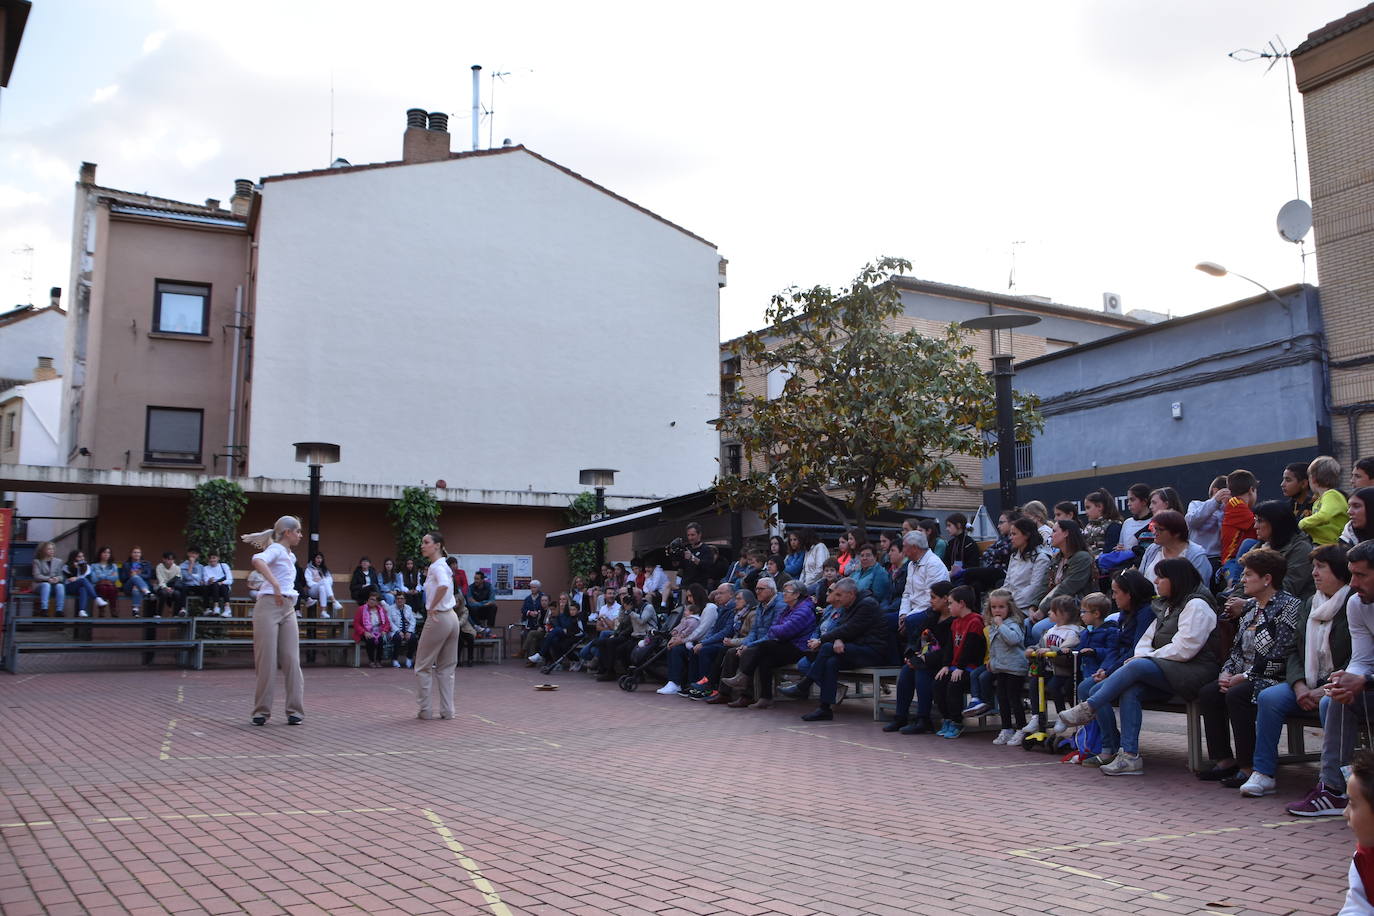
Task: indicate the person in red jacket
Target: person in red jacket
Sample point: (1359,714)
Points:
(1238,519)
(968,649)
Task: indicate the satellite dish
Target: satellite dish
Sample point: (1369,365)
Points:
(1295,220)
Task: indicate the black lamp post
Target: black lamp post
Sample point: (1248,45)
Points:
(1002,372)
(316,455)
(599,479)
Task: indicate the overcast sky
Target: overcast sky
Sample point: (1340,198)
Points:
(1115,140)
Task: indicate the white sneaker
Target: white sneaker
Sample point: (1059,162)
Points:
(395,663)
(536,658)
(1124,764)
(1016,738)
(1032,724)
(324,615)
(181,613)
(1003,736)
(101,602)
(310,602)
(227,612)
(82,614)
(669,689)
(1258,785)
(337,607)
(410,663)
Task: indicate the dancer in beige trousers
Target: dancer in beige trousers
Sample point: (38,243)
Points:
(276,639)
(437,654)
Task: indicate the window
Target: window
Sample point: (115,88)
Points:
(1025,464)
(734,459)
(777,381)
(173,435)
(9,430)
(181,308)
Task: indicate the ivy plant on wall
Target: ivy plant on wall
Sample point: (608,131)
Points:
(413,515)
(212,517)
(582,557)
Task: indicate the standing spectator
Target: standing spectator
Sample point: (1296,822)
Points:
(481,600)
(697,560)
(192,579)
(1008,664)
(1361,525)
(168,583)
(413,581)
(363,581)
(320,581)
(1329,514)
(276,637)
(1204,520)
(1257,661)
(136,574)
(1102,522)
(47,578)
(215,584)
(105,577)
(1349,700)
(76,580)
(1322,646)
(1297,490)
(437,652)
(371,627)
(403,638)
(1238,520)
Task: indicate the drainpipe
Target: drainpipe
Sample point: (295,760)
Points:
(231,449)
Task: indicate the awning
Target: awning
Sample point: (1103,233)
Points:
(606,527)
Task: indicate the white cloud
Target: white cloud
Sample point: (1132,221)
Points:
(104,93)
(154,41)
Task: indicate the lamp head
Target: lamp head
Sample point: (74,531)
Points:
(316,452)
(1211,268)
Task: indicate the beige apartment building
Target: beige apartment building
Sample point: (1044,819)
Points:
(931,307)
(1334,68)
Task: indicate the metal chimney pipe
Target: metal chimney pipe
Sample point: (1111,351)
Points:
(476,102)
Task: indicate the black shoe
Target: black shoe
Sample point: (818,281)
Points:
(919,727)
(259,720)
(294,720)
(798,691)
(1234,781)
(820,714)
(895,725)
(1216,774)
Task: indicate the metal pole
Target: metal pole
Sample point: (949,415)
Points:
(600,544)
(313,531)
(1006,431)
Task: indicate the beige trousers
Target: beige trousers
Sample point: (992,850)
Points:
(436,657)
(276,642)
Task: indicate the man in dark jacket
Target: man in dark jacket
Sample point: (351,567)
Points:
(481,604)
(858,639)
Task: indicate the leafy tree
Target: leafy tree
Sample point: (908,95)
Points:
(869,416)
(413,516)
(582,557)
(212,517)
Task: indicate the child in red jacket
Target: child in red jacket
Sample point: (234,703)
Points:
(1238,519)
(968,649)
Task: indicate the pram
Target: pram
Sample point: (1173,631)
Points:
(568,656)
(651,654)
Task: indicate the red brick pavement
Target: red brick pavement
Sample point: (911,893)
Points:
(148,792)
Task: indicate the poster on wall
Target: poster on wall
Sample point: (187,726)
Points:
(6,528)
(509,574)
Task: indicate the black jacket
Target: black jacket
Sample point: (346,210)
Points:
(962,549)
(862,625)
(362,583)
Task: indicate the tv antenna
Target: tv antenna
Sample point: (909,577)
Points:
(490,112)
(26,274)
(1011,277)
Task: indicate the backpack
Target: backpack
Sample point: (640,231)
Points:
(1088,739)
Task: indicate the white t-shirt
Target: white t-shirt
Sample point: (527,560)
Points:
(282,564)
(437,577)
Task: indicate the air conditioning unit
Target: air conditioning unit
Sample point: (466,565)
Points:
(1111,303)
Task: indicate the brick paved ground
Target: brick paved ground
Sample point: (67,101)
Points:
(147,791)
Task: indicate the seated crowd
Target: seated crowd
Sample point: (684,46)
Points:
(1260,610)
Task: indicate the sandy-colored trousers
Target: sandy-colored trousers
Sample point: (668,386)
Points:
(437,657)
(276,643)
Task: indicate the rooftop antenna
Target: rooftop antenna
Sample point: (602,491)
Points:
(331,115)
(491,111)
(27,274)
(1011,277)
(1290,218)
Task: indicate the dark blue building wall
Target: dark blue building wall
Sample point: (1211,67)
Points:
(1249,380)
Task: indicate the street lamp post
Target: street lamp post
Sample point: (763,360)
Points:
(1213,269)
(316,455)
(1002,372)
(599,479)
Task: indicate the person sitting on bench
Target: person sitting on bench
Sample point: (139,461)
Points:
(857,640)
(481,603)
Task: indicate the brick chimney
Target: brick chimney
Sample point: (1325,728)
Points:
(55,297)
(243,197)
(426,138)
(44,369)
(87,175)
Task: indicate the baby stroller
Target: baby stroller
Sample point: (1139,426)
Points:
(649,655)
(568,656)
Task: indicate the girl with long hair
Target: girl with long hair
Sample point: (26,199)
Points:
(276,637)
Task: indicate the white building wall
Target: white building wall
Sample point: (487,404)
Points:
(39,429)
(22,342)
(490,321)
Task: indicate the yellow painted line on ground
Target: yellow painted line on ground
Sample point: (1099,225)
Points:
(181,694)
(29,678)
(166,751)
(512,729)
(1028,856)
(353,754)
(483,886)
(1159,838)
(197,816)
(803,730)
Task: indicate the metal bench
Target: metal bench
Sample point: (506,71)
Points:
(1197,756)
(489,646)
(231,644)
(188,647)
(858,678)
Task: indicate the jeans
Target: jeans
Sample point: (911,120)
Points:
(1127,688)
(1341,725)
(57,593)
(84,589)
(825,670)
(677,664)
(1036,630)
(702,664)
(590,650)
(770,654)
(1275,704)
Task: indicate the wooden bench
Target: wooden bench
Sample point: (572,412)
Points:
(858,678)
(1197,755)
(188,647)
(489,645)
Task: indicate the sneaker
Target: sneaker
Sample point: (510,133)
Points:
(395,663)
(1081,714)
(1099,760)
(1032,725)
(1003,736)
(101,602)
(181,613)
(1320,802)
(669,689)
(324,615)
(918,727)
(227,612)
(1016,738)
(535,659)
(1258,786)
(82,614)
(955,729)
(294,720)
(410,663)
(259,720)
(943,732)
(337,607)
(975,707)
(1124,764)
(310,602)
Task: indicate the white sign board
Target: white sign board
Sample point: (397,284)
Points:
(509,574)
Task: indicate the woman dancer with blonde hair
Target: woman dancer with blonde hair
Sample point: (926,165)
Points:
(276,639)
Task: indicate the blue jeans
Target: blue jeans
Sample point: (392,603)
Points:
(57,593)
(136,589)
(1128,688)
(825,670)
(1036,630)
(701,664)
(85,591)
(1275,704)
(981,683)
(677,664)
(590,650)
(917,683)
